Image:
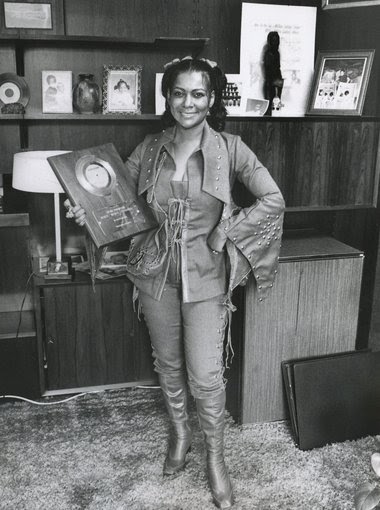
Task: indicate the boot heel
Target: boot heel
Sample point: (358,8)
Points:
(174,466)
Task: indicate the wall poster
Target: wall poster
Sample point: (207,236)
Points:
(296,28)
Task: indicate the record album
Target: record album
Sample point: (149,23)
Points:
(13,89)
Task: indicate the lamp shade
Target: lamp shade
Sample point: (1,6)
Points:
(32,172)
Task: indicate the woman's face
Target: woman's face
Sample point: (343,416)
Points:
(190,99)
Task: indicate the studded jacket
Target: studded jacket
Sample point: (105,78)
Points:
(221,244)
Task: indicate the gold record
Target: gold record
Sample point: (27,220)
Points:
(13,89)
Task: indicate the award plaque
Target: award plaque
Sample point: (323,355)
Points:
(97,180)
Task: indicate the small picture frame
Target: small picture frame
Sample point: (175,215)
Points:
(233,95)
(122,89)
(159,98)
(57,94)
(340,82)
(28,15)
(344,4)
(255,107)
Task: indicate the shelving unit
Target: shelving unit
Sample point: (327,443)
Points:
(112,346)
(327,167)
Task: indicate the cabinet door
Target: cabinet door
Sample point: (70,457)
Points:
(312,310)
(94,338)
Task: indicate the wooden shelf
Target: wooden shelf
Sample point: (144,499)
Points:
(302,118)
(36,115)
(11,116)
(14,220)
(82,40)
(90,117)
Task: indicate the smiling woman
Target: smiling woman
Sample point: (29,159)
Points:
(190,99)
(184,271)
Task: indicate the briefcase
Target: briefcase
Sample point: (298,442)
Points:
(333,398)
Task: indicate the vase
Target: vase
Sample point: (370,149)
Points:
(86,94)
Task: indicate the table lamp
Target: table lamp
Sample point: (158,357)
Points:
(33,173)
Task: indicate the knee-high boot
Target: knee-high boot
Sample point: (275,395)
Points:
(211,419)
(175,395)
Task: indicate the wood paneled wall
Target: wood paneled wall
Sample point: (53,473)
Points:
(317,162)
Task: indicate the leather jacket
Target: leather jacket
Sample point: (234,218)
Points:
(251,237)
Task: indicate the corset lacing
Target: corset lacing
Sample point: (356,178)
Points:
(176,222)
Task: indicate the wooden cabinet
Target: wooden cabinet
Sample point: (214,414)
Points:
(90,337)
(312,310)
(18,347)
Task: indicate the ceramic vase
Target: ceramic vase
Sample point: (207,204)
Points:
(86,94)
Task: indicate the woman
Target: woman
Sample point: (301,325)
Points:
(186,269)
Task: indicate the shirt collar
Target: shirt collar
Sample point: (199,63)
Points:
(215,156)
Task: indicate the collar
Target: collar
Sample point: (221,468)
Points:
(216,180)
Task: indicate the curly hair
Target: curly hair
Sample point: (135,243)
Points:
(216,82)
(119,84)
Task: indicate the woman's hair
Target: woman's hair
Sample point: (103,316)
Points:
(216,82)
(119,83)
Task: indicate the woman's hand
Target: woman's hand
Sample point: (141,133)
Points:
(77,212)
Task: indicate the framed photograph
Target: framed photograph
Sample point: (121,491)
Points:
(122,89)
(57,94)
(27,15)
(255,107)
(340,82)
(343,4)
(31,17)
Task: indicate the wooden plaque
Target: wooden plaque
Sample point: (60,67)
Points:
(96,179)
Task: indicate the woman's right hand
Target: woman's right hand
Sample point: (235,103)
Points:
(79,215)
(77,212)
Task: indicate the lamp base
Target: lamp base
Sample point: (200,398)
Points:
(58,270)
